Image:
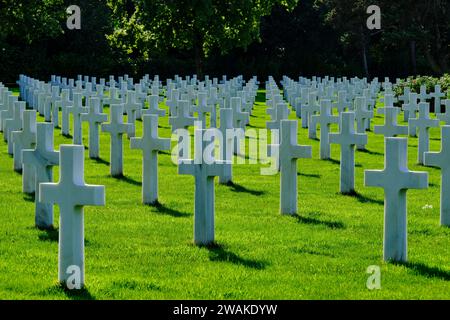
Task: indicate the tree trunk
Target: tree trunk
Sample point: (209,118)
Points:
(412,45)
(199,54)
(364,53)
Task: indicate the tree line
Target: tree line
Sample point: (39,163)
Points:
(215,37)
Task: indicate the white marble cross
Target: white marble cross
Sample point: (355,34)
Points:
(150,144)
(71,194)
(153,107)
(94,118)
(390,128)
(442,160)
(423,95)
(404,100)
(437,95)
(66,104)
(445,116)
(395,179)
(347,139)
(289,152)
(77,110)
(8,114)
(311,109)
(282,113)
(410,109)
(239,118)
(226,146)
(131,108)
(182,119)
(116,128)
(342,103)
(204,170)
(14,124)
(423,123)
(202,109)
(325,119)
(42,159)
(25,139)
(362,117)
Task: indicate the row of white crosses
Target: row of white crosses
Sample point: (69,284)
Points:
(34,157)
(395,238)
(150,143)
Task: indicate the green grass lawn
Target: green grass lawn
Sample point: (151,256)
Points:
(142,252)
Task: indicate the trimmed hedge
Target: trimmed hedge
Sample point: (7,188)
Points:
(414,83)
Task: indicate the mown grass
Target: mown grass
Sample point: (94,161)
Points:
(142,252)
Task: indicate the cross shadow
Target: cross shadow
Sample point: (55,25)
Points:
(51,235)
(363,199)
(163,209)
(371,152)
(68,136)
(101,161)
(219,253)
(128,180)
(424,270)
(81,294)
(29,197)
(241,189)
(308,175)
(334,161)
(313,221)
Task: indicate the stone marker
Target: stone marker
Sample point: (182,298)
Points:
(362,117)
(289,152)
(94,118)
(131,108)
(226,147)
(282,113)
(153,107)
(116,128)
(14,124)
(437,95)
(202,109)
(410,109)
(182,119)
(66,104)
(423,123)
(25,138)
(395,179)
(42,159)
(204,171)
(71,194)
(404,100)
(150,144)
(77,110)
(348,139)
(442,160)
(445,116)
(324,119)
(391,128)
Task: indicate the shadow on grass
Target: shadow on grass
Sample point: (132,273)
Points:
(81,294)
(51,234)
(219,253)
(334,161)
(314,221)
(308,175)
(425,270)
(29,197)
(68,136)
(101,161)
(361,198)
(375,153)
(241,189)
(128,180)
(162,209)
